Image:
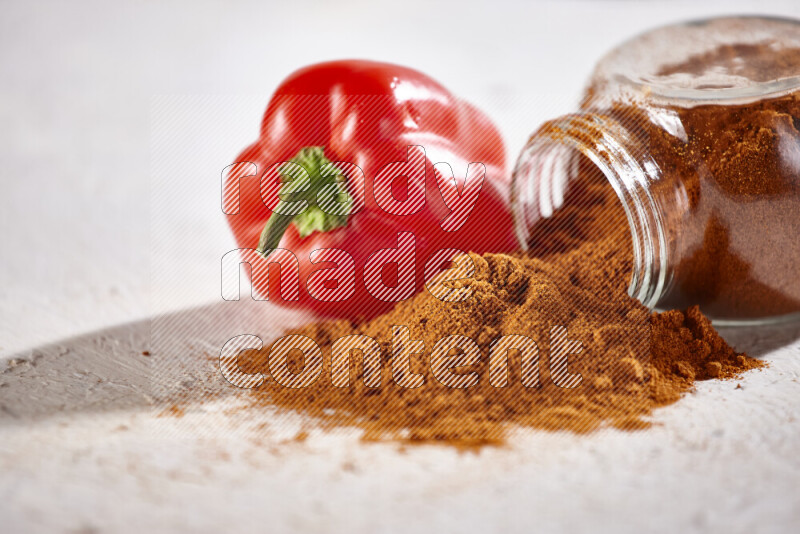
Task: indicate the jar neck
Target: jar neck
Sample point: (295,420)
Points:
(548,162)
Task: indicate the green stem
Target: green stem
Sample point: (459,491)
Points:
(313,218)
(273,232)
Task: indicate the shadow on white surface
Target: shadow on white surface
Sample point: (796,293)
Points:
(135,366)
(145,364)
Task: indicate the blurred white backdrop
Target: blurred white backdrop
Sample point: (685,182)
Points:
(78,80)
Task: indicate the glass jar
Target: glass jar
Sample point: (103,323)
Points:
(696,127)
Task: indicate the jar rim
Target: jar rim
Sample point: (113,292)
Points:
(732,96)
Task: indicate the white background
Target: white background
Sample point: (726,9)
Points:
(80,85)
(79,78)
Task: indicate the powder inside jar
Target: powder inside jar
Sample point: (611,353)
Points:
(726,173)
(735,245)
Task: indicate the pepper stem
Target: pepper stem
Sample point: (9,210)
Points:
(273,232)
(307,187)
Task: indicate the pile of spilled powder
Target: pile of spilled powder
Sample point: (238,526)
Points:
(629,360)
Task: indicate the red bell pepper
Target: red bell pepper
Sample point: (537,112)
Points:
(366,114)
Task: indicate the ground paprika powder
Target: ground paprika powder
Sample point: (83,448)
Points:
(631,361)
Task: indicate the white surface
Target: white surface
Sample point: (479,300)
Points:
(83,449)
(78,92)
(723,459)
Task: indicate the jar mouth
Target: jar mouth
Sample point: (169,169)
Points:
(730,96)
(548,161)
